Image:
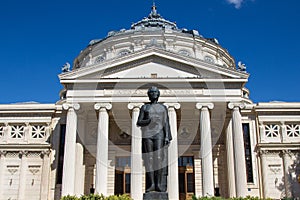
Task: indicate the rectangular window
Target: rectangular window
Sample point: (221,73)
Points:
(248,155)
(184,161)
(61,152)
(153,75)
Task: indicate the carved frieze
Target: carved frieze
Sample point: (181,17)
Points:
(143,92)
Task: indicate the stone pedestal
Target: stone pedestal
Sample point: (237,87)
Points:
(156,196)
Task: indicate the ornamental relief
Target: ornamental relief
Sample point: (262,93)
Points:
(22,153)
(163,92)
(286,131)
(1,131)
(293,130)
(29,132)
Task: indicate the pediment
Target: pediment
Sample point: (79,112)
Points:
(152,63)
(151,70)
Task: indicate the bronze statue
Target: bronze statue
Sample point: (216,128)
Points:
(156,136)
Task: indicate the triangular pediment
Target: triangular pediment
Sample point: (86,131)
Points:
(151,70)
(153,63)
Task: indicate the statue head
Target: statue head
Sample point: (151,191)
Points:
(153,93)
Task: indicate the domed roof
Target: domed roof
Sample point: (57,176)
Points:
(154,20)
(154,32)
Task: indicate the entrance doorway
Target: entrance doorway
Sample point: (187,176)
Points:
(186,177)
(122,175)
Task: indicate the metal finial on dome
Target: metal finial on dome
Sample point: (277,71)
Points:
(154,20)
(154,10)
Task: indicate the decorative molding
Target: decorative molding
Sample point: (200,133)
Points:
(200,106)
(67,106)
(143,92)
(23,153)
(3,153)
(12,169)
(265,152)
(98,106)
(275,168)
(45,153)
(34,169)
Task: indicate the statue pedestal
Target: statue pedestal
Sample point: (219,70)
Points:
(156,196)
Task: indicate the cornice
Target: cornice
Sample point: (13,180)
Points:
(278,146)
(27,108)
(28,147)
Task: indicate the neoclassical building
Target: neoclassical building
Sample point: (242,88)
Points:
(88,141)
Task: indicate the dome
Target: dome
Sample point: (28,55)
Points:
(154,32)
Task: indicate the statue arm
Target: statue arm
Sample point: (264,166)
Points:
(143,119)
(167,129)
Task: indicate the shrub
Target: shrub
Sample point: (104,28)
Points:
(235,198)
(69,197)
(97,197)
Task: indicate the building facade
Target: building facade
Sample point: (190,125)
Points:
(223,143)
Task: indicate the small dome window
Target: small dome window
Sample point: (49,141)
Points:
(184,52)
(99,59)
(124,52)
(209,59)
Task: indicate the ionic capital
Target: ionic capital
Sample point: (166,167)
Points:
(131,106)
(200,106)
(263,152)
(172,105)
(23,153)
(286,152)
(98,106)
(3,153)
(45,153)
(67,106)
(236,105)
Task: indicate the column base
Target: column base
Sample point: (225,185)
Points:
(155,196)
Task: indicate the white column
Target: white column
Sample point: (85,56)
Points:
(230,161)
(136,185)
(206,149)
(80,168)
(79,171)
(239,150)
(102,148)
(264,170)
(54,150)
(68,179)
(2,164)
(22,183)
(286,155)
(173,186)
(45,174)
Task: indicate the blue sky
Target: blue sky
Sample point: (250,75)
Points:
(38,37)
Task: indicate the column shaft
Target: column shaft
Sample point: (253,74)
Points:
(239,154)
(79,178)
(136,185)
(45,175)
(206,153)
(173,187)
(287,184)
(68,179)
(2,170)
(102,152)
(22,183)
(264,169)
(230,161)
